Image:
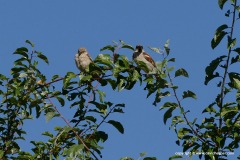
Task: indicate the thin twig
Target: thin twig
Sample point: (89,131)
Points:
(184,114)
(227,65)
(66,121)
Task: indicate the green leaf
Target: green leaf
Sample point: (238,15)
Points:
(236,83)
(171,60)
(109,47)
(168,114)
(43,57)
(50,115)
(117,125)
(211,68)
(126,158)
(221,3)
(101,95)
(91,118)
(175,157)
(188,93)
(121,85)
(237,50)
(210,108)
(157,50)
(234,80)
(128,46)
(123,62)
(181,72)
(68,78)
(27,41)
(143,154)
(112,83)
(54,77)
(219,35)
(102,136)
(235,59)
(143,66)
(227,110)
(104,59)
(169,105)
(166,47)
(86,78)
(150,158)
(61,101)
(1,153)
(22,75)
(74,150)
(135,75)
(183,132)
(48,134)
(22,51)
(231,42)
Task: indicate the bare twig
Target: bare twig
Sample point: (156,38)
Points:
(66,121)
(227,65)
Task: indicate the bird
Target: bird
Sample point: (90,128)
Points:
(139,56)
(83,60)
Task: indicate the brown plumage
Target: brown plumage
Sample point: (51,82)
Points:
(141,55)
(83,59)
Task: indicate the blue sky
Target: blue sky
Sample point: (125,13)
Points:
(59,28)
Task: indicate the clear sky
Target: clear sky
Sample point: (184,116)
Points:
(58,28)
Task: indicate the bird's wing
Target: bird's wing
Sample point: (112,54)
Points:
(89,57)
(149,59)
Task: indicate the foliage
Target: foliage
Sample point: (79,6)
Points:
(28,94)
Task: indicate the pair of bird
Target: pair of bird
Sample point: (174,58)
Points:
(83,59)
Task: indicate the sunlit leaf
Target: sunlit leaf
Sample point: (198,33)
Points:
(104,59)
(231,42)
(183,131)
(219,35)
(86,78)
(101,95)
(157,50)
(50,115)
(74,150)
(166,47)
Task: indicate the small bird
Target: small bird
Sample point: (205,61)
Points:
(141,56)
(83,60)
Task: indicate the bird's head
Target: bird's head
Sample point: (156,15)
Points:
(81,50)
(139,48)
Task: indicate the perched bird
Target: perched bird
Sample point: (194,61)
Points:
(83,60)
(141,56)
